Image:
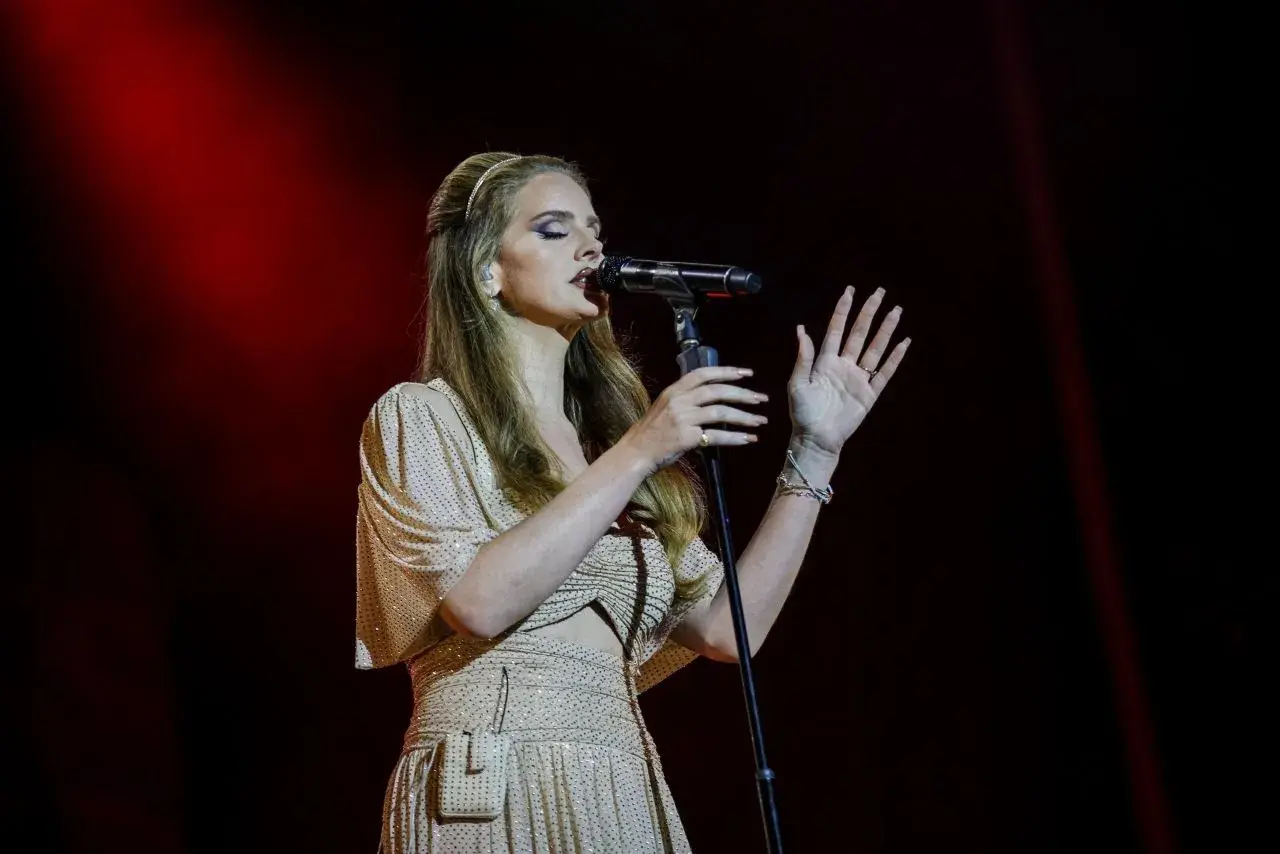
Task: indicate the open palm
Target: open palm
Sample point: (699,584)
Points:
(830,396)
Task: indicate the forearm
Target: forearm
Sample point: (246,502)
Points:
(516,571)
(769,564)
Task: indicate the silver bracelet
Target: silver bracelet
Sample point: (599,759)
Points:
(785,487)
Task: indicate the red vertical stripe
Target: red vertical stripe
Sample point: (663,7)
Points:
(1075,402)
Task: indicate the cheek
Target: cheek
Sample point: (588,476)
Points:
(533,270)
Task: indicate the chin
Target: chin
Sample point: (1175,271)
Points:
(600,300)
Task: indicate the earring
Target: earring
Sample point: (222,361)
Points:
(486,276)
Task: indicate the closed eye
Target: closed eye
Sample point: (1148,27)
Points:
(561,217)
(558,235)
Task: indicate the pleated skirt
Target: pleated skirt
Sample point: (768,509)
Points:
(582,773)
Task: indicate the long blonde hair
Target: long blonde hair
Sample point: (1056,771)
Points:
(466,344)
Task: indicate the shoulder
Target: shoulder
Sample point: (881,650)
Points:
(427,401)
(415,397)
(421,394)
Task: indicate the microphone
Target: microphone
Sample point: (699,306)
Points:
(676,279)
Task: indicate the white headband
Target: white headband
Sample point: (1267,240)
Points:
(485,174)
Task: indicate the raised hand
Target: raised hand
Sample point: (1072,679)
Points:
(830,396)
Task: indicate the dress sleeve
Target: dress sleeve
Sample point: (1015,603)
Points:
(418,527)
(665,656)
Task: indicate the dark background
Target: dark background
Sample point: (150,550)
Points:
(213,232)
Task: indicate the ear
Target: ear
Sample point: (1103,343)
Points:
(491,279)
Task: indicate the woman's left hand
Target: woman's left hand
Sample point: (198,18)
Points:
(829,397)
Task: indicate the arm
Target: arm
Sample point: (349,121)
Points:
(766,570)
(515,572)
(829,399)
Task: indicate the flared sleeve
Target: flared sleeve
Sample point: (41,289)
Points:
(419,524)
(663,655)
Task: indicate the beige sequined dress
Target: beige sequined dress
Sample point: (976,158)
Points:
(583,774)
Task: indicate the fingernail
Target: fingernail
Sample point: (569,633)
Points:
(879,292)
(906,342)
(751,437)
(745,372)
(897,309)
(761,398)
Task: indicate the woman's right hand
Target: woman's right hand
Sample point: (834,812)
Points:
(677,420)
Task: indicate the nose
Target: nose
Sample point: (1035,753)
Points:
(591,248)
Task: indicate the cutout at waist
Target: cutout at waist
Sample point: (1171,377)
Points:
(585,627)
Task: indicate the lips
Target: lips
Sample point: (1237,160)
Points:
(586,279)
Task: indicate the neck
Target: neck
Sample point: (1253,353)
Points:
(540,354)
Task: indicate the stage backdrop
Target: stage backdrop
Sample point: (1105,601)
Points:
(1013,627)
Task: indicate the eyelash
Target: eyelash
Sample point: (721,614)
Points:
(556,235)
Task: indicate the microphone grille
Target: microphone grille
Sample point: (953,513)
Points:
(609,274)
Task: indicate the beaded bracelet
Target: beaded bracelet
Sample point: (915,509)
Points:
(808,490)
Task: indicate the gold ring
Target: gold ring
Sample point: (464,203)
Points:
(704,441)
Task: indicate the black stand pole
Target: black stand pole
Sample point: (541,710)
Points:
(693,354)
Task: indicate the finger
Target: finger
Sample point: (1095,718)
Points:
(880,380)
(835,328)
(714,373)
(876,348)
(728,437)
(720,414)
(717,392)
(862,324)
(804,358)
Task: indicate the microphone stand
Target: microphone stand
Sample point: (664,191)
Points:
(694,354)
